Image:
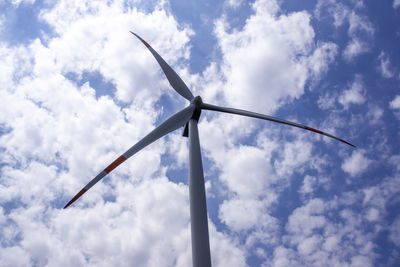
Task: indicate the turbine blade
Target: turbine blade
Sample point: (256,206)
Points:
(173,78)
(268,118)
(173,123)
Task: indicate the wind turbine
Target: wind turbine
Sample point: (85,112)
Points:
(189,117)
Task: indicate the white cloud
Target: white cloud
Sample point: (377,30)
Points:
(308,185)
(225,251)
(394,235)
(293,155)
(253,60)
(385,66)
(234,3)
(309,245)
(331,243)
(395,106)
(272,53)
(236,168)
(396,4)
(374,114)
(89,41)
(64,135)
(327,101)
(321,59)
(307,219)
(231,213)
(2,20)
(360,30)
(379,196)
(353,95)
(395,161)
(98,235)
(14,256)
(17,63)
(316,237)
(19,2)
(358,24)
(337,10)
(357,163)
(255,192)
(395,103)
(372,215)
(284,257)
(253,195)
(355,47)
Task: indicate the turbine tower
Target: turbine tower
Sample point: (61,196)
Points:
(188,118)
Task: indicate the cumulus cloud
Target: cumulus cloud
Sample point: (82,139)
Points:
(312,213)
(19,2)
(353,95)
(372,215)
(385,66)
(356,164)
(67,236)
(395,103)
(327,101)
(375,114)
(323,56)
(253,195)
(66,132)
(57,133)
(271,53)
(315,238)
(358,23)
(89,41)
(337,10)
(354,48)
(2,20)
(293,155)
(396,4)
(395,231)
(308,185)
(395,106)
(234,3)
(360,30)
(243,183)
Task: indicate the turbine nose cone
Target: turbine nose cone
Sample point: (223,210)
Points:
(197,101)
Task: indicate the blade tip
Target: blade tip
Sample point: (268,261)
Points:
(143,41)
(83,190)
(351,145)
(347,143)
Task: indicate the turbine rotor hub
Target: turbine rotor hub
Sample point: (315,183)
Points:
(197,103)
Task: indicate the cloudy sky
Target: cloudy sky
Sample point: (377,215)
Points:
(77,90)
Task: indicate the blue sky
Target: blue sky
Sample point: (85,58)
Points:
(77,90)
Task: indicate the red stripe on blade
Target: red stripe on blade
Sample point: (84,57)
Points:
(146,44)
(314,130)
(143,41)
(75,197)
(113,165)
